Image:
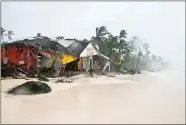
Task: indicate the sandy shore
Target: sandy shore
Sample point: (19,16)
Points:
(151,98)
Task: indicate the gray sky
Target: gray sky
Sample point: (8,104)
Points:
(161,24)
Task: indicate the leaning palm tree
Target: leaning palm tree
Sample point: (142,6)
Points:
(2,32)
(154,57)
(139,58)
(147,56)
(135,45)
(123,34)
(126,53)
(111,44)
(145,51)
(99,38)
(123,42)
(146,47)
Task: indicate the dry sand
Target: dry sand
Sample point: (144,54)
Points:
(151,98)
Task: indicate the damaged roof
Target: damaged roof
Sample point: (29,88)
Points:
(77,47)
(68,46)
(43,43)
(66,42)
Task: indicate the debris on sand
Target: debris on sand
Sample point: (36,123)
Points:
(138,72)
(30,88)
(88,75)
(96,76)
(110,75)
(124,71)
(43,79)
(91,76)
(59,81)
(64,81)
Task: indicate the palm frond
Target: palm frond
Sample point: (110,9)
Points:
(123,34)
(101,30)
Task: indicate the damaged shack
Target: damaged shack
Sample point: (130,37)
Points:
(71,60)
(31,56)
(84,56)
(91,58)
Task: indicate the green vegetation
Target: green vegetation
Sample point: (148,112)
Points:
(121,50)
(7,34)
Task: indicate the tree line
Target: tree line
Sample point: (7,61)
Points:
(121,50)
(118,48)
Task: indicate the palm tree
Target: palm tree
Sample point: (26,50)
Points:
(111,44)
(9,34)
(122,45)
(2,32)
(123,42)
(147,56)
(146,47)
(138,64)
(123,34)
(126,53)
(134,44)
(154,57)
(100,34)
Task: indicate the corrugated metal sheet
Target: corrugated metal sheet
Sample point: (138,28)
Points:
(65,43)
(30,38)
(76,48)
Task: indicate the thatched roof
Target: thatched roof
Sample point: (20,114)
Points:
(43,43)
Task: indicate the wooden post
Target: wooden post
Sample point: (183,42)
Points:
(81,63)
(92,63)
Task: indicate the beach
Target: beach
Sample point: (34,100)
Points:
(147,98)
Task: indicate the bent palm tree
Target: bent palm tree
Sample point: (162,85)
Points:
(100,34)
(123,34)
(2,32)
(111,44)
(146,47)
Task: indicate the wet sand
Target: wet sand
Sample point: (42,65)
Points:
(151,98)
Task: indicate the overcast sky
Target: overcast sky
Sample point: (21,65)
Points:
(161,24)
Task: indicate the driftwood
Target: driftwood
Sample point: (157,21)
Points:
(14,72)
(63,81)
